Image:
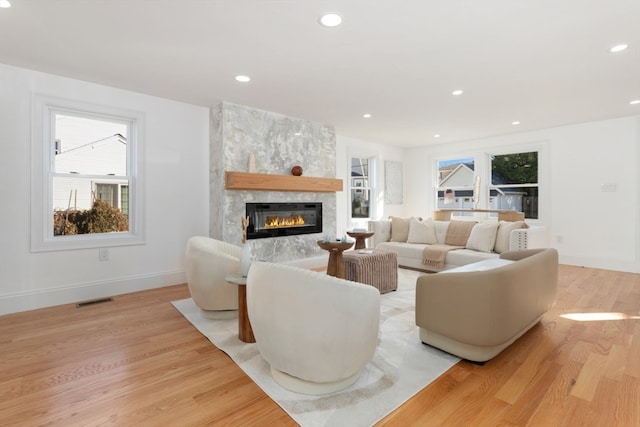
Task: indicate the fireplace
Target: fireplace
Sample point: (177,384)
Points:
(283,219)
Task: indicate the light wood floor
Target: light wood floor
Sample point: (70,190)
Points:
(137,362)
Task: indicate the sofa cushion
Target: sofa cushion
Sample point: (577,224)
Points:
(403,249)
(467,256)
(422,231)
(483,236)
(487,264)
(399,229)
(504,234)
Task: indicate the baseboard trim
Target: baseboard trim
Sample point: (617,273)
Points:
(71,294)
(626,266)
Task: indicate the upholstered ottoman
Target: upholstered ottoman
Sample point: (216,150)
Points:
(375,267)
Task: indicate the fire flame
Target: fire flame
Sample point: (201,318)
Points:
(273,222)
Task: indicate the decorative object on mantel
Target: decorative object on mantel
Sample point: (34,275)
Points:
(296,170)
(245,254)
(251,163)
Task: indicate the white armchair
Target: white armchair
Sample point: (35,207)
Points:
(208,261)
(316,332)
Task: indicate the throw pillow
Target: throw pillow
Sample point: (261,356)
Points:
(504,234)
(483,236)
(422,231)
(399,229)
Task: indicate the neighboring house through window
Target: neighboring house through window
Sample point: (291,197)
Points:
(85,153)
(513,183)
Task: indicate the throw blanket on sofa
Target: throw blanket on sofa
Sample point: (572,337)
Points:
(434,255)
(458,233)
(456,238)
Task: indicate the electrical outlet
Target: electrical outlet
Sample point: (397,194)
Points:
(103,254)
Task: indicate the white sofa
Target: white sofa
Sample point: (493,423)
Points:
(317,332)
(488,241)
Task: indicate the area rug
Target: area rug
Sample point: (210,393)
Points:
(401,367)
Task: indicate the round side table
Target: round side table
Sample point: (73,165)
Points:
(245,332)
(336,265)
(360,237)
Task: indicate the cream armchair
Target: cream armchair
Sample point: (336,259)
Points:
(208,261)
(316,331)
(476,311)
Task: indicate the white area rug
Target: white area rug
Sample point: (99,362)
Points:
(401,367)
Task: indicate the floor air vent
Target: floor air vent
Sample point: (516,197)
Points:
(94,302)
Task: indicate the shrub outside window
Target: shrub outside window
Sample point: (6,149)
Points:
(514,183)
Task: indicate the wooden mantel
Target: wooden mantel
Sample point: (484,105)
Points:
(270,182)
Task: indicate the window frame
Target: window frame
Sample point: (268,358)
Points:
(370,179)
(535,185)
(482,168)
(43,171)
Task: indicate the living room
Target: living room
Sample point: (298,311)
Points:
(589,185)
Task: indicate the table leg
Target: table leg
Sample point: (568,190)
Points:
(339,265)
(360,243)
(331,267)
(245,332)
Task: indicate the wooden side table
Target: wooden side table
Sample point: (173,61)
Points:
(360,237)
(245,332)
(336,265)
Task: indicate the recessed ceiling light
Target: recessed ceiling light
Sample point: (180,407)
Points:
(457,92)
(331,20)
(243,79)
(618,48)
(437,135)
(635,102)
(5,4)
(515,123)
(366,116)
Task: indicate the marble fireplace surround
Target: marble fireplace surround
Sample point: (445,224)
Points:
(277,143)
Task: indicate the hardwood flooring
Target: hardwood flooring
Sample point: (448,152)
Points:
(137,362)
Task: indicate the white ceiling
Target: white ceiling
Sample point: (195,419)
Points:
(542,62)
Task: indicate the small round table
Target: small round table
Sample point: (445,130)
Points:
(360,237)
(336,265)
(245,332)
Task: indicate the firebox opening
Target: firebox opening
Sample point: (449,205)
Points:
(283,219)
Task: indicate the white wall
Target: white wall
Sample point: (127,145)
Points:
(346,148)
(176,198)
(589,227)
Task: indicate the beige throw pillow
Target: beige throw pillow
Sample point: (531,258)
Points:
(399,229)
(504,234)
(483,236)
(422,231)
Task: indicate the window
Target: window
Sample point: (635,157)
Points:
(360,184)
(514,183)
(86,176)
(456,179)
